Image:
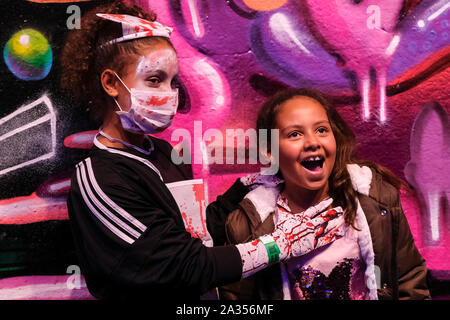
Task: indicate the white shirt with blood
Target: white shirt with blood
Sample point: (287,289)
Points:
(334,271)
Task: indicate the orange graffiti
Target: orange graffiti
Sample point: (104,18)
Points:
(265,5)
(57,1)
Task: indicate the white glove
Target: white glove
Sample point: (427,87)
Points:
(298,234)
(295,235)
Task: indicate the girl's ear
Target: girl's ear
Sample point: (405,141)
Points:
(109,82)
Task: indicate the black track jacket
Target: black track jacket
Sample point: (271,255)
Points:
(129,234)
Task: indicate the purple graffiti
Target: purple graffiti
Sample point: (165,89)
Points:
(283,44)
(363,35)
(206,86)
(211,27)
(425,31)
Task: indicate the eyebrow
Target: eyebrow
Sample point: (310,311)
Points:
(160,73)
(157,71)
(314,124)
(321,121)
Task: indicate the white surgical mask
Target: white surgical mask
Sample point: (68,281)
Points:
(150,111)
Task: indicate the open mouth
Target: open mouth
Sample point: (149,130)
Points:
(313,163)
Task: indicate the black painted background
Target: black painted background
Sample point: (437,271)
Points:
(46,247)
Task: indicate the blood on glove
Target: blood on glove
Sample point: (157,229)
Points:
(298,234)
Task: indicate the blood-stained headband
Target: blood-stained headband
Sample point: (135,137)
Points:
(134,27)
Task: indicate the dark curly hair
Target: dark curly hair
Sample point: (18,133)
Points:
(340,185)
(83,57)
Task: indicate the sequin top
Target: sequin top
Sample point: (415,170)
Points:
(335,271)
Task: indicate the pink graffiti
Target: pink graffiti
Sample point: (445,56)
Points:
(42,288)
(208,88)
(80,140)
(363,35)
(190,10)
(32,208)
(48,202)
(429,169)
(437,256)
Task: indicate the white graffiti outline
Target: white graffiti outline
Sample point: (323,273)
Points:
(51,116)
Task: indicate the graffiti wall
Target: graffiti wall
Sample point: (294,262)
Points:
(385,64)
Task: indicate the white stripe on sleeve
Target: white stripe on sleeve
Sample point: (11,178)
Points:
(111,227)
(101,207)
(110,202)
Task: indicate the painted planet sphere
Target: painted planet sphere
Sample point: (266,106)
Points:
(28,55)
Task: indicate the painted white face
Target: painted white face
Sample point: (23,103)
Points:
(156,70)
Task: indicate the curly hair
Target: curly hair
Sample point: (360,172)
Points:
(83,58)
(340,186)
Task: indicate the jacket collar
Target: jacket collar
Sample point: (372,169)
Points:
(361,178)
(128,154)
(264,197)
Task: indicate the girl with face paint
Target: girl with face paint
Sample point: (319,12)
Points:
(128,229)
(375,258)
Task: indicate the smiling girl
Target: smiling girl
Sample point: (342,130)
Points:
(128,229)
(375,259)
